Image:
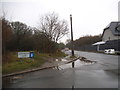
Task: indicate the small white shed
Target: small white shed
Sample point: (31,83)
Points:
(98,44)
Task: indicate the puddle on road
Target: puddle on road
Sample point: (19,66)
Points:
(78,63)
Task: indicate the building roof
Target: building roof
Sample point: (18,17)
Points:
(114,27)
(98,43)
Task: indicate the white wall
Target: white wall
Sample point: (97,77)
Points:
(109,36)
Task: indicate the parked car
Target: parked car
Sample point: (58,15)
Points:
(109,51)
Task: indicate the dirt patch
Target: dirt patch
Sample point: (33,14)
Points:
(83,59)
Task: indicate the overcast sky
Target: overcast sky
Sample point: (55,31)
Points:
(90,17)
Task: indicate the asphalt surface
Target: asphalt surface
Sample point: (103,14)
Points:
(103,74)
(104,61)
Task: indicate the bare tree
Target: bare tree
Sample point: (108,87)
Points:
(54,28)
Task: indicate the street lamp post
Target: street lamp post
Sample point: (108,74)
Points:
(72,39)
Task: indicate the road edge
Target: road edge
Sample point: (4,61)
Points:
(37,69)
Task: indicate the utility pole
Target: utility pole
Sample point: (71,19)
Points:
(72,40)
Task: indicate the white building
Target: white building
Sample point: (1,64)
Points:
(111,32)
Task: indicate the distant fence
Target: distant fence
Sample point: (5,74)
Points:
(113,44)
(87,48)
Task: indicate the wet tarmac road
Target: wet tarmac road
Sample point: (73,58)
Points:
(104,61)
(103,74)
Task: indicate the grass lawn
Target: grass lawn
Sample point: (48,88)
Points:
(15,64)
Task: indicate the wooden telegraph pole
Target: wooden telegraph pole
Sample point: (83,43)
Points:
(72,40)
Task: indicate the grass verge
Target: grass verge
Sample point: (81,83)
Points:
(72,57)
(15,64)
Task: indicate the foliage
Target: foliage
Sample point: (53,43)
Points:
(6,34)
(17,36)
(85,40)
(58,54)
(61,46)
(22,35)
